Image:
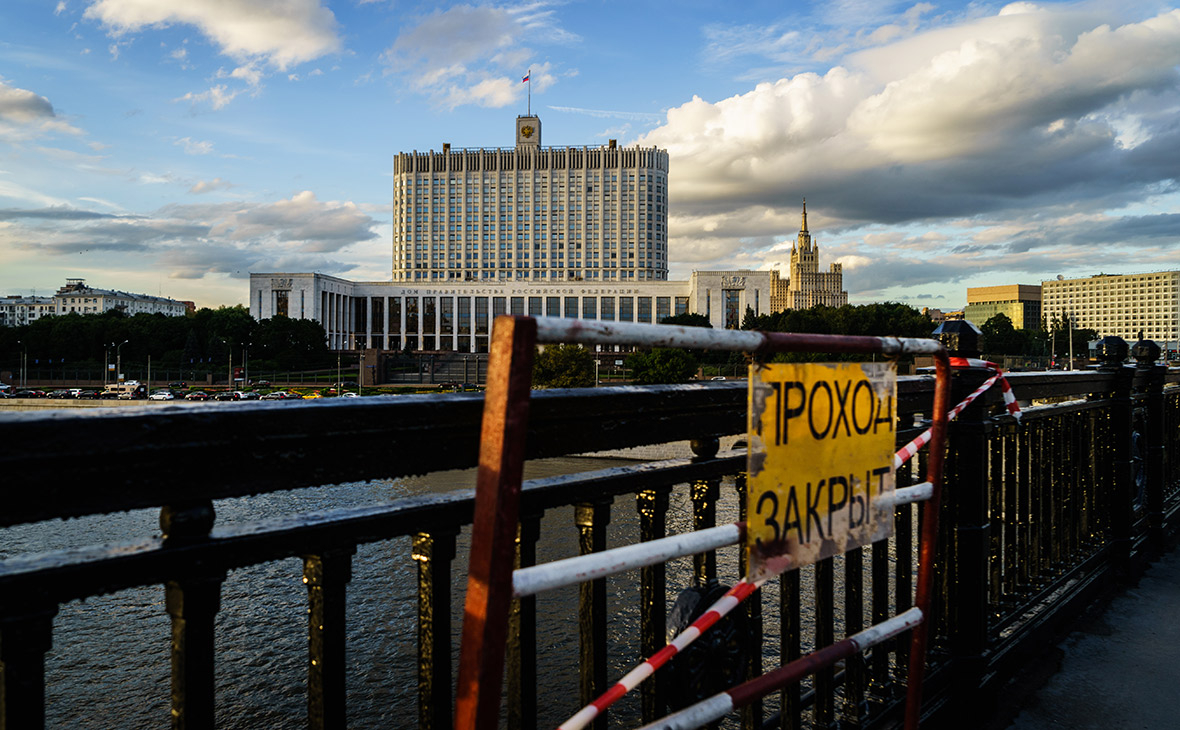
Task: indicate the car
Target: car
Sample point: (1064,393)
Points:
(197,395)
(87,394)
(717,377)
(277,395)
(350,394)
(162,395)
(29,393)
(249,395)
(59,394)
(178,385)
(262,384)
(7,394)
(312,396)
(224,395)
(449,385)
(109,394)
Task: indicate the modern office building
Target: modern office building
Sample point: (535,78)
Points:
(807,286)
(1021,303)
(541,231)
(77,297)
(1118,304)
(531,213)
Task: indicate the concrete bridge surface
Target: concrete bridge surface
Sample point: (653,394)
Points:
(1121,670)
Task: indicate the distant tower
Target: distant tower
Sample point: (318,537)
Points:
(806,286)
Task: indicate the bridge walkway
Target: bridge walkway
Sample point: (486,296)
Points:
(1121,670)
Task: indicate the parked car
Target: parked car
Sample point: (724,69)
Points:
(162,395)
(262,384)
(29,393)
(350,394)
(7,393)
(249,395)
(224,395)
(717,377)
(59,394)
(109,394)
(278,395)
(87,394)
(197,395)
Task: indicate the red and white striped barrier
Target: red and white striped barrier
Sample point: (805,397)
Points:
(720,705)
(907,452)
(731,600)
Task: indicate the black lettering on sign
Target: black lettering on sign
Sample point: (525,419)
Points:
(833,408)
(833,504)
(826,412)
(812,510)
(769,521)
(867,409)
(784,413)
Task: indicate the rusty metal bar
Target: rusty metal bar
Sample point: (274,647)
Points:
(825,635)
(791,633)
(704,516)
(854,710)
(592,519)
(433,552)
(327,576)
(493,535)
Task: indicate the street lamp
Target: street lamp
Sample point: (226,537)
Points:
(119,360)
(246,364)
(24,363)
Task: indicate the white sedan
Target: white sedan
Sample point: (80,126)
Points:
(162,395)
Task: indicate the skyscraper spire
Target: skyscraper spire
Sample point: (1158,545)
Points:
(804,229)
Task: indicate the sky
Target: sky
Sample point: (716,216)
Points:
(172,147)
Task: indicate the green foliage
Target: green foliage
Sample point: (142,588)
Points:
(563,366)
(688,319)
(203,337)
(1000,336)
(662,365)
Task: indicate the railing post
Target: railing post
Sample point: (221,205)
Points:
(433,552)
(1151,441)
(652,505)
(1112,351)
(752,713)
(522,629)
(326,576)
(24,640)
(592,519)
(192,599)
(704,511)
(967,507)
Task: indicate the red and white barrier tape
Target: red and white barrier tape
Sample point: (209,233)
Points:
(907,452)
(731,600)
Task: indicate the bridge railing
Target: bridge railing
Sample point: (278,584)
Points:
(1039,518)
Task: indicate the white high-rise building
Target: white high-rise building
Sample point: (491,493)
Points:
(531,213)
(1118,304)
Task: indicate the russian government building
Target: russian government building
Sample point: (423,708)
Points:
(577,232)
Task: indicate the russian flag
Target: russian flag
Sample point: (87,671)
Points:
(526,77)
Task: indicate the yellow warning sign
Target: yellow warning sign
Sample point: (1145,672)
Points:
(821,444)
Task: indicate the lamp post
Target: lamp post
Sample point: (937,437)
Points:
(246,364)
(24,363)
(119,361)
(1069,332)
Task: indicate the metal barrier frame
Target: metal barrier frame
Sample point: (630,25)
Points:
(501,461)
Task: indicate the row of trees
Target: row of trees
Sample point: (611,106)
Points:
(1000,337)
(205,336)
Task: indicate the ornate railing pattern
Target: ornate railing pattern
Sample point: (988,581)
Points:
(1040,517)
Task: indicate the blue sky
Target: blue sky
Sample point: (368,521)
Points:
(173,147)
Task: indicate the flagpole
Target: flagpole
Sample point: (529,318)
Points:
(530,92)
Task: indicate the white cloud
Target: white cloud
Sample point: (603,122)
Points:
(208,186)
(1036,109)
(217,97)
(476,54)
(194,147)
(281,32)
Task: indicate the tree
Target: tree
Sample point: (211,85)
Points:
(1000,336)
(563,366)
(662,365)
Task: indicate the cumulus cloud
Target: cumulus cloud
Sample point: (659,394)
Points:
(192,241)
(26,115)
(217,97)
(194,147)
(1042,112)
(209,186)
(282,33)
(476,54)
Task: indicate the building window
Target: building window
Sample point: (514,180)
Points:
(281,303)
(732,303)
(446,319)
(378,315)
(395,315)
(534,306)
(626,309)
(481,320)
(464,315)
(589,307)
(645,309)
(663,308)
(412,318)
(681,305)
(571,307)
(608,308)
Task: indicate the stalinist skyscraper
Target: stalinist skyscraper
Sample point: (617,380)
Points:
(807,286)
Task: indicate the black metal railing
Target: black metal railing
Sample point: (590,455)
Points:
(1040,517)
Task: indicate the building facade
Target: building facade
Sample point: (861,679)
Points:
(807,286)
(1118,304)
(17,310)
(531,213)
(77,297)
(1021,303)
(457,317)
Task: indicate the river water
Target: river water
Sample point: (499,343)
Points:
(109,665)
